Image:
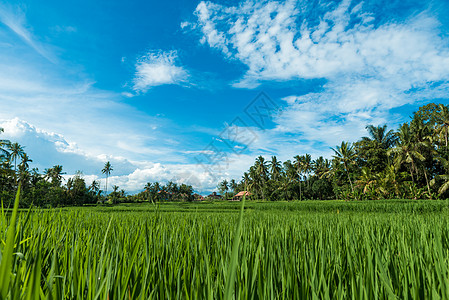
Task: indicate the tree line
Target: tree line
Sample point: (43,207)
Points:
(411,162)
(48,189)
(171,191)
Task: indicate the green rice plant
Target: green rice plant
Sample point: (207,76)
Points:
(326,250)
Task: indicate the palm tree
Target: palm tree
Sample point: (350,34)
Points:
(262,173)
(94,187)
(107,171)
(366,180)
(445,177)
(275,168)
(345,154)
(406,151)
(255,181)
(290,175)
(385,138)
(423,143)
(299,169)
(224,187)
(4,144)
(246,178)
(442,124)
(307,165)
(233,185)
(115,188)
(54,174)
(15,152)
(321,167)
(25,160)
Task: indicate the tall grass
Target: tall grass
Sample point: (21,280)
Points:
(142,253)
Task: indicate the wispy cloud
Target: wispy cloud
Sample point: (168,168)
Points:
(158,68)
(14,17)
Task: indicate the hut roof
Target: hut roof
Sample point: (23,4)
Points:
(243,193)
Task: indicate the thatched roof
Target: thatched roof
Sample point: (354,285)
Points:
(243,193)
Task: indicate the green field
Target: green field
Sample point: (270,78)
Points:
(288,250)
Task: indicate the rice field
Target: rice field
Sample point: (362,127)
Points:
(285,250)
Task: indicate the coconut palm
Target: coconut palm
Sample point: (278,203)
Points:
(275,168)
(307,165)
(423,143)
(94,187)
(233,185)
(224,187)
(57,174)
(299,169)
(246,178)
(406,151)
(290,175)
(107,171)
(345,154)
(385,138)
(15,152)
(442,124)
(4,146)
(25,160)
(261,169)
(321,167)
(366,181)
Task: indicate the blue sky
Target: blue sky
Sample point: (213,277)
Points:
(166,90)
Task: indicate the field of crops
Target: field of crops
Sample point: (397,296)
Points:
(334,249)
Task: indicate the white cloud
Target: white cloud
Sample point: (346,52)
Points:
(367,67)
(158,68)
(276,42)
(47,149)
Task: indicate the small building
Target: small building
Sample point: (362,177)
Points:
(240,195)
(214,196)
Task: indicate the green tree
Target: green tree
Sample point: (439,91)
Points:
(261,173)
(4,146)
(406,151)
(107,169)
(275,168)
(299,169)
(224,187)
(233,186)
(346,155)
(94,187)
(15,152)
(442,124)
(307,165)
(386,139)
(55,175)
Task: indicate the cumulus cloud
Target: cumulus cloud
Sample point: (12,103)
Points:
(277,41)
(47,149)
(158,68)
(367,66)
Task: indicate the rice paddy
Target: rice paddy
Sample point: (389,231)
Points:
(283,250)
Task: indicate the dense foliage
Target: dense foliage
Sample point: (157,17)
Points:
(291,250)
(52,189)
(47,189)
(412,163)
(409,163)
